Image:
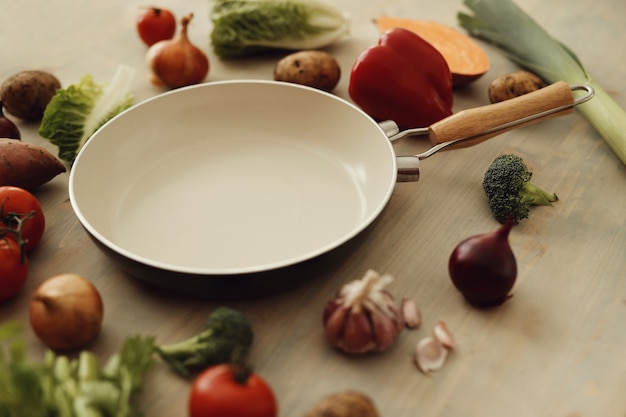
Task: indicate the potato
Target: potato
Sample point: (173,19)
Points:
(344,404)
(26,165)
(317,69)
(513,85)
(27,93)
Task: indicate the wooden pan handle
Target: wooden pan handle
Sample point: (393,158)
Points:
(477,122)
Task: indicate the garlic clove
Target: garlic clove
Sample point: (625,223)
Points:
(443,335)
(385,331)
(411,313)
(334,318)
(430,355)
(357,333)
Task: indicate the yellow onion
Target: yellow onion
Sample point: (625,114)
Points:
(177,62)
(66,312)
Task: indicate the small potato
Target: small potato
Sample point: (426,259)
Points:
(27,93)
(344,404)
(513,85)
(317,69)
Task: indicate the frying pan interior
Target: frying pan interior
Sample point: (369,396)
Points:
(232,177)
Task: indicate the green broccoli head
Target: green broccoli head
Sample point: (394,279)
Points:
(227,338)
(230,324)
(509,190)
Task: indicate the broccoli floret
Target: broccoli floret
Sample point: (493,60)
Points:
(227,337)
(510,191)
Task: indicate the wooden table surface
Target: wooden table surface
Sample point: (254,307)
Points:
(555,349)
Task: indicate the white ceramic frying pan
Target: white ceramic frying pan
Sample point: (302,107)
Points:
(239,177)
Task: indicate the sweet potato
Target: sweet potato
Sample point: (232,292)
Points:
(26,165)
(317,69)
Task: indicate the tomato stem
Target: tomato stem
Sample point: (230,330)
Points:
(14,222)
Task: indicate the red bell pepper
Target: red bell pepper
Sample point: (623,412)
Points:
(404,79)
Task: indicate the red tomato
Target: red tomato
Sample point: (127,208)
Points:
(17,202)
(13,271)
(156,24)
(216,393)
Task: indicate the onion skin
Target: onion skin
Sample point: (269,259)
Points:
(177,62)
(66,312)
(483,267)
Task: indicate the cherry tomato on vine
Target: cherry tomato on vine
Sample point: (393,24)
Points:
(156,24)
(13,268)
(216,392)
(17,202)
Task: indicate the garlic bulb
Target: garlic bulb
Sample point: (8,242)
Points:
(363,317)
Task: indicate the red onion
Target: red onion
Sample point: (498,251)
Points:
(483,267)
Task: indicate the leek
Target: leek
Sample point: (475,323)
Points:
(523,40)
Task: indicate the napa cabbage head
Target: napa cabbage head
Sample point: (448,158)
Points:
(76,112)
(246,27)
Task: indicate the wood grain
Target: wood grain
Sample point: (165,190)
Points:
(556,349)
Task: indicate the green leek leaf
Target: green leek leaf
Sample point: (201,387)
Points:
(523,40)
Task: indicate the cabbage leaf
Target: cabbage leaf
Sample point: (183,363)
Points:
(76,112)
(246,27)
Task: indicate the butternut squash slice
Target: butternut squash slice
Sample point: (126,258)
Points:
(467,60)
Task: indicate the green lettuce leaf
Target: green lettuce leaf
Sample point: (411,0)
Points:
(76,112)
